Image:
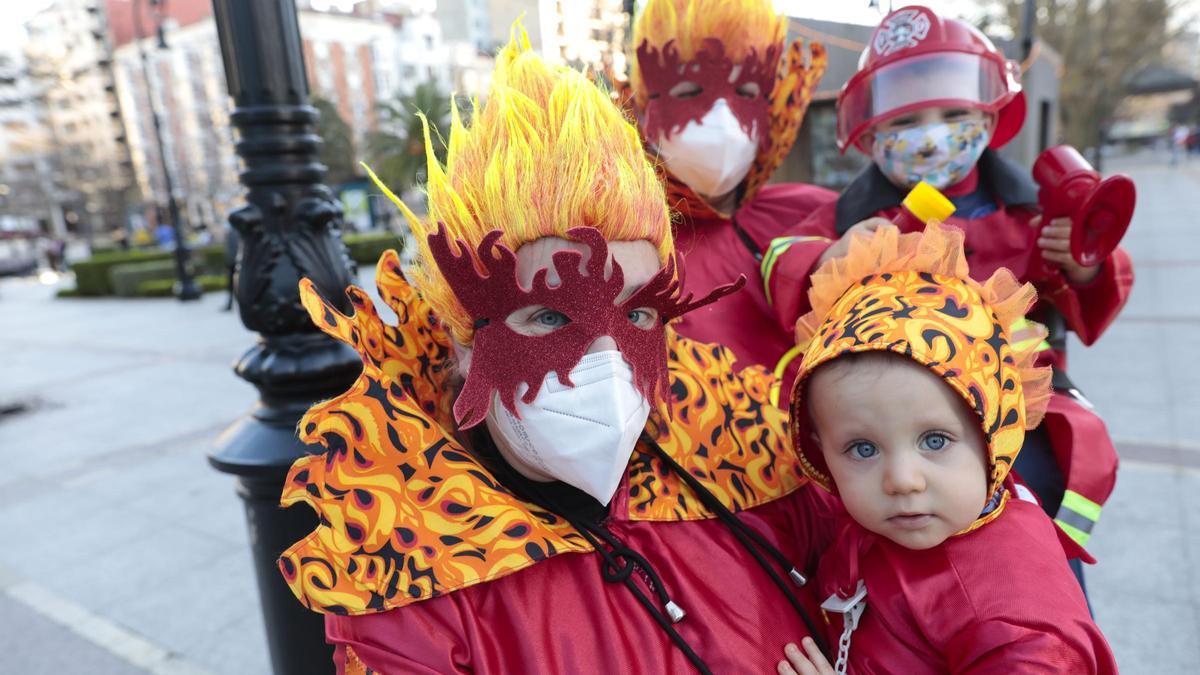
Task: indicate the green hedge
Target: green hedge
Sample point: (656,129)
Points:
(365,248)
(92,275)
(165,288)
(210,259)
(125,279)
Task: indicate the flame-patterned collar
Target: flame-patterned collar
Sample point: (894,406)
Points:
(407,513)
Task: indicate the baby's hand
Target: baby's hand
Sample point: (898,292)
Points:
(809,662)
(1055,242)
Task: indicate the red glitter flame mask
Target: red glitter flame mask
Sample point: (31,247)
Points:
(662,69)
(503,358)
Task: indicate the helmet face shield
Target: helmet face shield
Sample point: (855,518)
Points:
(952,79)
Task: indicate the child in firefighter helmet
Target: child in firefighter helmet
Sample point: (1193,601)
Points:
(911,405)
(931,101)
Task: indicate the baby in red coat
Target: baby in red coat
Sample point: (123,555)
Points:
(911,404)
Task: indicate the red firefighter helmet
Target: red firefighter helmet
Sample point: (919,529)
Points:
(916,59)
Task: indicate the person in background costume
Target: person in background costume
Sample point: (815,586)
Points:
(719,97)
(534,473)
(931,101)
(911,405)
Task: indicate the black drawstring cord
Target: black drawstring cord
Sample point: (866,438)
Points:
(710,500)
(614,572)
(744,534)
(620,551)
(619,564)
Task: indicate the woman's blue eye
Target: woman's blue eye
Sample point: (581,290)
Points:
(935,441)
(862,450)
(551,319)
(641,317)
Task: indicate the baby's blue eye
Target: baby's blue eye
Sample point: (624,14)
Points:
(935,441)
(862,450)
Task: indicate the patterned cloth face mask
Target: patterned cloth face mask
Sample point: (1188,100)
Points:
(941,153)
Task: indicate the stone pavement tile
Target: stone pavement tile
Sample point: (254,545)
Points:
(149,326)
(189,613)
(57,540)
(202,501)
(1140,541)
(1149,636)
(31,644)
(29,368)
(1190,493)
(1123,374)
(1143,495)
(144,565)
(236,649)
(178,487)
(1183,353)
(111,413)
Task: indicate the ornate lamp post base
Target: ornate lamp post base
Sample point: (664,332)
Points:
(290,229)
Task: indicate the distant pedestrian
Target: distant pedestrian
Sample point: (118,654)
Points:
(56,250)
(164,234)
(1179,137)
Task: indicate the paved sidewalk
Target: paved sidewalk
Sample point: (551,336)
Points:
(125,553)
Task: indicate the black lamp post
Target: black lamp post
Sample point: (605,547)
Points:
(185,288)
(291,228)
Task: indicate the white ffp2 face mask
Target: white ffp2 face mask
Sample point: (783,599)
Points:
(581,435)
(713,155)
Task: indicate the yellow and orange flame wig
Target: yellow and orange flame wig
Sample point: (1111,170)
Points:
(740,25)
(546,152)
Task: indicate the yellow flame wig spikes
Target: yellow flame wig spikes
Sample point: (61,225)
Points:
(547,151)
(740,25)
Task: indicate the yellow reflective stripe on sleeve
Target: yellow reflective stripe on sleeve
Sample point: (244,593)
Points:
(1077,515)
(781,368)
(776,248)
(1081,505)
(1024,334)
(1074,533)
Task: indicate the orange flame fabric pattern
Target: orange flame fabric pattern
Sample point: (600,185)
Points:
(408,513)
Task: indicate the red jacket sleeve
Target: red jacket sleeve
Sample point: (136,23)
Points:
(790,260)
(1000,647)
(427,638)
(1089,309)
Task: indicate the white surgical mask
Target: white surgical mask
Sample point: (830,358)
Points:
(581,435)
(941,153)
(713,155)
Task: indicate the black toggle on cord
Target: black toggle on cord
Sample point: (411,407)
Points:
(747,536)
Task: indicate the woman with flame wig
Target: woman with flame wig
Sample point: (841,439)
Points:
(533,472)
(719,97)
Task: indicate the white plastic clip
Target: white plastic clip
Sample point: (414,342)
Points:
(797,577)
(674,611)
(851,609)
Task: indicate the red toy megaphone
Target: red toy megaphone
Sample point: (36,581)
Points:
(1100,210)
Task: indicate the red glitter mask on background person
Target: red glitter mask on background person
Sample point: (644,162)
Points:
(503,358)
(709,69)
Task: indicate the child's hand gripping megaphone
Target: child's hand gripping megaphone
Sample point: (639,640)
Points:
(1100,210)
